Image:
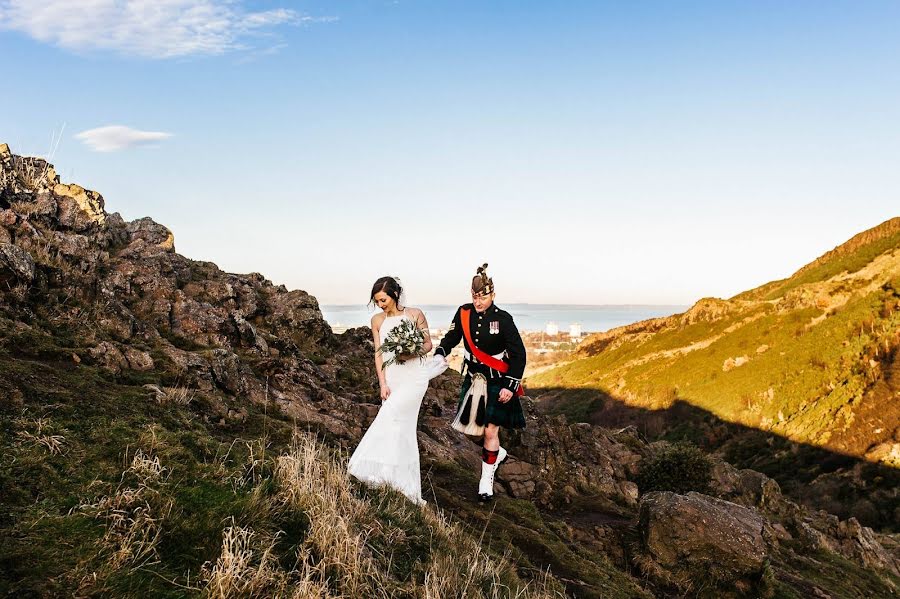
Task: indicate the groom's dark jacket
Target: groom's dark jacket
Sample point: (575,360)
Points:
(495,333)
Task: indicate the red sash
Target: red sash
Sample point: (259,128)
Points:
(486,359)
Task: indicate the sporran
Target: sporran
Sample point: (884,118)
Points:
(472,413)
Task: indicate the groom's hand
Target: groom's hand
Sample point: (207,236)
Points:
(505,395)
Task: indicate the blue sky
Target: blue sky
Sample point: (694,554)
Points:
(591,152)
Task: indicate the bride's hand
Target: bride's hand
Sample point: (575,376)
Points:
(385,392)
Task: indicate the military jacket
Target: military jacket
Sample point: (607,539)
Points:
(495,333)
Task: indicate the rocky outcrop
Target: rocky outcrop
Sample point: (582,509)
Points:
(124,284)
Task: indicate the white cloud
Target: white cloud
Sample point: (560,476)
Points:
(146,28)
(114,138)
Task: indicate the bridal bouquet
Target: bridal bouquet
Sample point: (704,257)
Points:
(405,339)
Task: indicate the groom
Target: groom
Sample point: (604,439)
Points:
(494,349)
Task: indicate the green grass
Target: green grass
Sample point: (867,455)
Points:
(849,262)
(798,366)
(52,524)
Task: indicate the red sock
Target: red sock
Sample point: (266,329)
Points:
(489,456)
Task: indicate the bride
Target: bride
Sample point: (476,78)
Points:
(388,453)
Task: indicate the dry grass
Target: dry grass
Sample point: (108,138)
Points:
(40,433)
(339,555)
(255,467)
(462,576)
(335,551)
(343,540)
(179,395)
(32,172)
(133,518)
(243,570)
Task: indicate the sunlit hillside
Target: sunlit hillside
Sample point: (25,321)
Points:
(812,358)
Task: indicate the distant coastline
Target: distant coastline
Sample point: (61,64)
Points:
(528,317)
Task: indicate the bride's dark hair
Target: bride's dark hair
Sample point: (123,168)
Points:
(389,285)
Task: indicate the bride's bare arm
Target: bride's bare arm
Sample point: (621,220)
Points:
(422,324)
(376,326)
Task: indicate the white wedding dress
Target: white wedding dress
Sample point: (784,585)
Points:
(388,453)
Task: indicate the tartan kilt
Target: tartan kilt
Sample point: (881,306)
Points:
(507,415)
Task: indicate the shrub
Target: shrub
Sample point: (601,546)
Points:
(680,468)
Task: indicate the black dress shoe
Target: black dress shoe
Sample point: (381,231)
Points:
(485,498)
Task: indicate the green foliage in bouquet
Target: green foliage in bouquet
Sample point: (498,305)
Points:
(405,339)
(680,468)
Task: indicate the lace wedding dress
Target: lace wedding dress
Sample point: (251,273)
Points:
(388,453)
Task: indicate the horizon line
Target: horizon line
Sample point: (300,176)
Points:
(630,305)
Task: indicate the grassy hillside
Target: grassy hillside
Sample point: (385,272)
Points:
(812,358)
(108,492)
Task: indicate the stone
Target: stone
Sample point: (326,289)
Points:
(518,477)
(197,322)
(73,245)
(887,453)
(8,218)
(42,206)
(138,360)
(690,533)
(16,266)
(109,357)
(249,336)
(629,490)
(190,368)
(79,209)
(225,366)
(152,233)
(731,363)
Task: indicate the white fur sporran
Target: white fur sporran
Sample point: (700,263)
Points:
(472,413)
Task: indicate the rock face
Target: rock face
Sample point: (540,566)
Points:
(685,533)
(16,266)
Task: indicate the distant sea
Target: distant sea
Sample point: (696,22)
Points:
(528,317)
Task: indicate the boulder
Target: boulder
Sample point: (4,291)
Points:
(518,476)
(109,357)
(152,233)
(197,322)
(79,209)
(746,487)
(190,368)
(694,533)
